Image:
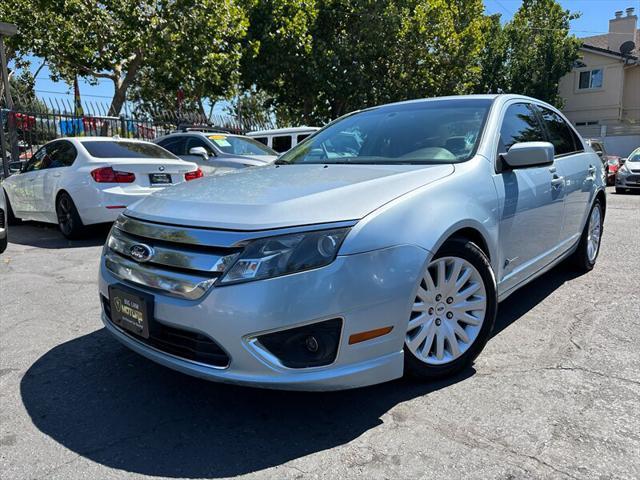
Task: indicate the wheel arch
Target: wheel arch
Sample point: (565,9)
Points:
(603,200)
(473,235)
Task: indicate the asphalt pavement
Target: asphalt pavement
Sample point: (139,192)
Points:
(555,394)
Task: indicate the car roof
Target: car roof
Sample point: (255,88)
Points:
(201,134)
(282,131)
(102,139)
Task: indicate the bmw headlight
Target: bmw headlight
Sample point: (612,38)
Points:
(275,256)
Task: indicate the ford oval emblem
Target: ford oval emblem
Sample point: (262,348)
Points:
(141,252)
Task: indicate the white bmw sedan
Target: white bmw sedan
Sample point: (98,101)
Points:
(82,181)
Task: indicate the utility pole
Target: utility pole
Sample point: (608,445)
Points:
(7,30)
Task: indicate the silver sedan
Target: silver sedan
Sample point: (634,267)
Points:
(381,245)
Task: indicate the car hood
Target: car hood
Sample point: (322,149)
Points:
(284,196)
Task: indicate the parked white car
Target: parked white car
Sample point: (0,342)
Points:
(4,229)
(82,181)
(283,139)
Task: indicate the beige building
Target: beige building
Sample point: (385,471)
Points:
(602,93)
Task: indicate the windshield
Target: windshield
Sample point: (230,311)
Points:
(119,149)
(240,145)
(635,156)
(426,132)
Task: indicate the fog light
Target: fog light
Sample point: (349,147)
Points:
(311,345)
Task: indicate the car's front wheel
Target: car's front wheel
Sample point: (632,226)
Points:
(69,220)
(453,312)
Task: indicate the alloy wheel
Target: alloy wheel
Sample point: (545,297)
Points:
(65,217)
(448,311)
(595,232)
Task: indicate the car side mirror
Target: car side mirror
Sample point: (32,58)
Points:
(200,151)
(529,154)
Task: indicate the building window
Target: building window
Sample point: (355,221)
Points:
(590,79)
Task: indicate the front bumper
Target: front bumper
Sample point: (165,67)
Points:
(367,291)
(628,181)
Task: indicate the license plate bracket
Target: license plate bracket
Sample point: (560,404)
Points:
(131,310)
(159,178)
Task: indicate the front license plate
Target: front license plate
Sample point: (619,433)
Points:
(159,178)
(131,311)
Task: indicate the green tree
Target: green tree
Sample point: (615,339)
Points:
(493,58)
(158,45)
(539,49)
(320,59)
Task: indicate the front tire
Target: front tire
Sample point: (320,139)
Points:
(620,191)
(453,313)
(69,220)
(585,256)
(3,243)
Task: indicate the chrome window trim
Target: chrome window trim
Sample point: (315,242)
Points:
(211,237)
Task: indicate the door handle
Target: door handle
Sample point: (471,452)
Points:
(552,169)
(557,181)
(57,174)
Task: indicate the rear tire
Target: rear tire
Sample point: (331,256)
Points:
(11,218)
(449,326)
(585,256)
(69,220)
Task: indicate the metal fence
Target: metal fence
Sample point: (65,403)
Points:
(33,122)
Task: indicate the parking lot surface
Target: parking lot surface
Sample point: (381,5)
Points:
(555,394)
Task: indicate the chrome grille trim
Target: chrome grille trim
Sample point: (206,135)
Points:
(172,283)
(209,237)
(170,255)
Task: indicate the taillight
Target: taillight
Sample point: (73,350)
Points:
(109,175)
(193,175)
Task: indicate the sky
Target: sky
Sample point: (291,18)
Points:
(594,20)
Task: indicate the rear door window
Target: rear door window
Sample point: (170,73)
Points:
(176,145)
(302,136)
(281,143)
(63,156)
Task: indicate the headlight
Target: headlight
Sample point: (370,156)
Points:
(623,169)
(276,256)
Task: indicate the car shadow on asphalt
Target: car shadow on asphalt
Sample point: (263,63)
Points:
(523,300)
(108,404)
(44,235)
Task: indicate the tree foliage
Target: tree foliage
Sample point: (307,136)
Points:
(335,56)
(158,45)
(539,49)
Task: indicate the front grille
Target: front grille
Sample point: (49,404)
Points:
(633,178)
(2,220)
(178,342)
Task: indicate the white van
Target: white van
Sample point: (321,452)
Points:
(282,139)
